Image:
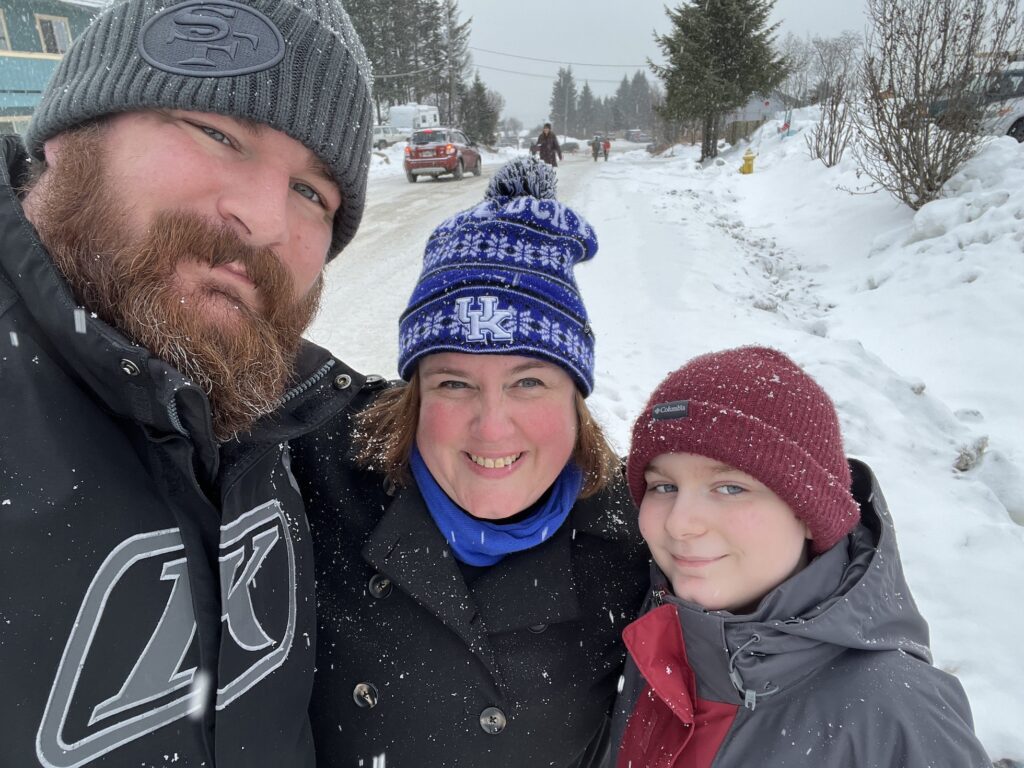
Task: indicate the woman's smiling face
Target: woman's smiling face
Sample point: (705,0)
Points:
(495,431)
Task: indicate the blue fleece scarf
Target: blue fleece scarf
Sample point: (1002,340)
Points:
(480,542)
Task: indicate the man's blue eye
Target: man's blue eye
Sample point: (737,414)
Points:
(530,383)
(662,488)
(308,192)
(451,384)
(216,135)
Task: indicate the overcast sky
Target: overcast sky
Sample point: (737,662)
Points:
(598,32)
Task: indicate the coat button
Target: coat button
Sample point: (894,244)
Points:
(537,628)
(492,720)
(365,695)
(342,381)
(373,381)
(380,586)
(129,368)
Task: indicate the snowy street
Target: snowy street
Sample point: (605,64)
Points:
(912,322)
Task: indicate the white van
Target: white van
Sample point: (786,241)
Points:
(412,117)
(386,135)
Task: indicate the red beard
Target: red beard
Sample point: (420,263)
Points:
(242,358)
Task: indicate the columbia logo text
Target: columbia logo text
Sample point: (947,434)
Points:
(679,409)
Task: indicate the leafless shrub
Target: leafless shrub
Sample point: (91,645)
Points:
(925,59)
(797,90)
(835,62)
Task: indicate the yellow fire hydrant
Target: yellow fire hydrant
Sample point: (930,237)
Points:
(748,162)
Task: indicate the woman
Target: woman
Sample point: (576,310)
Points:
(477,551)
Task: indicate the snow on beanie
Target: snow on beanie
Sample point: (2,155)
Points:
(295,65)
(498,279)
(754,409)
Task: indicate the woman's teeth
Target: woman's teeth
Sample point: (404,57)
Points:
(502,461)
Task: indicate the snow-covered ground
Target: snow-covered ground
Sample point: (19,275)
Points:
(914,323)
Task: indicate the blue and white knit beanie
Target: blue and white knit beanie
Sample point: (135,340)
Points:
(498,279)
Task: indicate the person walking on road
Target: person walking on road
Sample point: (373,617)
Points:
(160,255)
(548,147)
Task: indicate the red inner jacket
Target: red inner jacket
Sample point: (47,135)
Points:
(670,727)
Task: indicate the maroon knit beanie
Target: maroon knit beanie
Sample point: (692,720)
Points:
(754,409)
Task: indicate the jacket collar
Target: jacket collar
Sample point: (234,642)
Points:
(128,380)
(844,599)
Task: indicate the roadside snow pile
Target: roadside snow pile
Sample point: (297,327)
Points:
(913,322)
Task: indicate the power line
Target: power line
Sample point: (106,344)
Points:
(534,74)
(554,61)
(403,74)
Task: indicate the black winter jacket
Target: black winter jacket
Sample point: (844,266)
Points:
(157,589)
(433,665)
(549,149)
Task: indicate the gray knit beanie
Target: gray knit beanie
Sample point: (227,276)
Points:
(295,65)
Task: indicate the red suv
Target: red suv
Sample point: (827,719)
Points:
(436,151)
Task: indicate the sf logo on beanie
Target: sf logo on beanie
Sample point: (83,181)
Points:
(203,38)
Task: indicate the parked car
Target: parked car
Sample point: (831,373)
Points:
(1002,97)
(1006,98)
(386,135)
(437,151)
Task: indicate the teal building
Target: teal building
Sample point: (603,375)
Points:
(34,34)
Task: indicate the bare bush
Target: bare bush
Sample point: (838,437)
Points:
(920,54)
(835,61)
(797,90)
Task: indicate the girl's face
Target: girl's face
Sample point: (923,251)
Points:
(723,539)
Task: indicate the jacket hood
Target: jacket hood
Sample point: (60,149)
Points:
(853,596)
(130,381)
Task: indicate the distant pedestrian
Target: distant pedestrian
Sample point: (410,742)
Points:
(547,145)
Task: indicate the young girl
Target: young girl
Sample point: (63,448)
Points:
(779,630)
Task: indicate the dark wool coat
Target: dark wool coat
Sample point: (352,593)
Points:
(157,600)
(832,670)
(547,146)
(517,668)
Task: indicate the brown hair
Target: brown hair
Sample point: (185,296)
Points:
(386,430)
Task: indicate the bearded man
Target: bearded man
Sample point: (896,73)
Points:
(194,165)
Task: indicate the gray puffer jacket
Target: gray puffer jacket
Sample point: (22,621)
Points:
(832,670)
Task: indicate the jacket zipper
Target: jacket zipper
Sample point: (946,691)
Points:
(311,381)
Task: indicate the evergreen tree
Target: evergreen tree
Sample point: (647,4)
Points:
(624,106)
(420,55)
(586,113)
(480,111)
(563,102)
(642,98)
(455,47)
(718,55)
